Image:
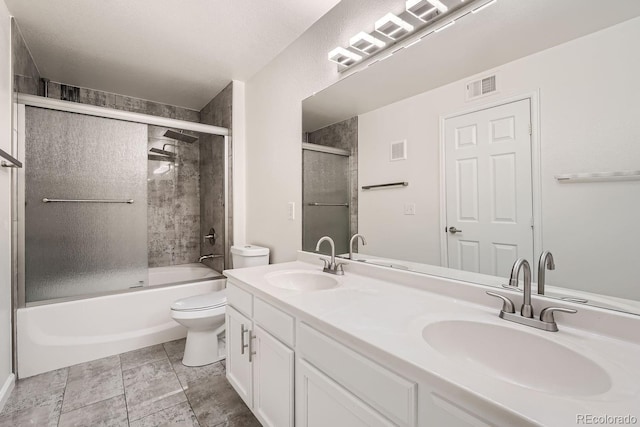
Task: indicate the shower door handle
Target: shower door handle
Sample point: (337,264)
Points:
(242,343)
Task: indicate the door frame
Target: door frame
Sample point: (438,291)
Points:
(536,183)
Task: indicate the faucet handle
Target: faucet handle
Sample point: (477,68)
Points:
(339,269)
(546,315)
(507,304)
(326,263)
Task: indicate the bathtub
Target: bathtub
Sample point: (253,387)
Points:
(62,334)
(177,274)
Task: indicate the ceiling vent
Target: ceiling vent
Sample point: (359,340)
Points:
(398,150)
(482,87)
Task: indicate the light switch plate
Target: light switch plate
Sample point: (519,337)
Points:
(291,211)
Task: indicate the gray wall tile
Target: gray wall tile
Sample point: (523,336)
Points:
(218,112)
(25,73)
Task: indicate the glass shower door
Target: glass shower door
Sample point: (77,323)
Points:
(86,205)
(325,200)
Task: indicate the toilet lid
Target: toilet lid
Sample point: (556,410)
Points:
(201,302)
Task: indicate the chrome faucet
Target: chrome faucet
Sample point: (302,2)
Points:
(547,321)
(210,256)
(330,266)
(354,238)
(546,261)
(522,264)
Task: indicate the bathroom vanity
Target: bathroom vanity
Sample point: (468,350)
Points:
(384,347)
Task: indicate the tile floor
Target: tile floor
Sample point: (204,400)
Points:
(141,388)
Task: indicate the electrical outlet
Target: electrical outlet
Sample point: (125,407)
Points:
(410,209)
(291,211)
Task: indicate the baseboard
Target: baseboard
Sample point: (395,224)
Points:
(6,390)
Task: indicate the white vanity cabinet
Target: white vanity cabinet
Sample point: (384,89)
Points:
(260,367)
(335,385)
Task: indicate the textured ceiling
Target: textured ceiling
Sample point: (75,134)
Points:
(179,52)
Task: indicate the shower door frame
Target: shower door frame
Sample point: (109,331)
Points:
(21,102)
(307,146)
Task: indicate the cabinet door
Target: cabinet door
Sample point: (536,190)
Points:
(238,348)
(321,402)
(272,380)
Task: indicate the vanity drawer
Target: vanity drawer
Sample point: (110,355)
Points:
(276,322)
(390,394)
(240,299)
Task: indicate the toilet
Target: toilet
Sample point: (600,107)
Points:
(203,315)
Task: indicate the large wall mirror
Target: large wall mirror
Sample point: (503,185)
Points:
(545,156)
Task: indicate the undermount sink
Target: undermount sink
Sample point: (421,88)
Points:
(301,280)
(518,357)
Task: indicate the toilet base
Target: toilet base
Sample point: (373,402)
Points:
(201,348)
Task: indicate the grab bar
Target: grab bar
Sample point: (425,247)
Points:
(46,200)
(15,163)
(346,205)
(391,184)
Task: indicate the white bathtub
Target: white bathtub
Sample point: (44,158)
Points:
(184,273)
(66,333)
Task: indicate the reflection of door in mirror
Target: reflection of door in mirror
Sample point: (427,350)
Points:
(325,198)
(488,188)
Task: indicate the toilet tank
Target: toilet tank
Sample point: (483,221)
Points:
(249,256)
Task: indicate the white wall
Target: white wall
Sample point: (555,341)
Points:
(590,114)
(239,119)
(274,128)
(6,376)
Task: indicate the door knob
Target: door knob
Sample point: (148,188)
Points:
(454,230)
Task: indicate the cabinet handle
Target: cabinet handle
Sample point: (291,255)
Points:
(242,343)
(251,352)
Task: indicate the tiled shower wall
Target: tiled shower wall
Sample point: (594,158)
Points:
(173,202)
(216,113)
(343,135)
(26,78)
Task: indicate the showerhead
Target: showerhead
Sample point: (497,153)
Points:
(163,152)
(179,136)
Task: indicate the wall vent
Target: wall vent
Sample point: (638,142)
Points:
(482,87)
(398,150)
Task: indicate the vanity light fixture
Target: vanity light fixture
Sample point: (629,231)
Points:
(393,27)
(421,9)
(419,15)
(484,6)
(366,43)
(344,57)
(445,26)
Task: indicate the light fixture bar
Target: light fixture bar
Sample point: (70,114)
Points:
(484,6)
(441,7)
(393,27)
(344,57)
(366,43)
(421,9)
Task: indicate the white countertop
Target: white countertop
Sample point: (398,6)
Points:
(389,318)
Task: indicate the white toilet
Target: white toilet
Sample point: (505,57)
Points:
(203,315)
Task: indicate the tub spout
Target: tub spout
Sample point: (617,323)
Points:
(210,256)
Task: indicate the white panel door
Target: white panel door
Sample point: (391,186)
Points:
(488,188)
(272,380)
(321,402)
(238,348)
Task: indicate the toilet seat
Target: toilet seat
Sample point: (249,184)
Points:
(201,302)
